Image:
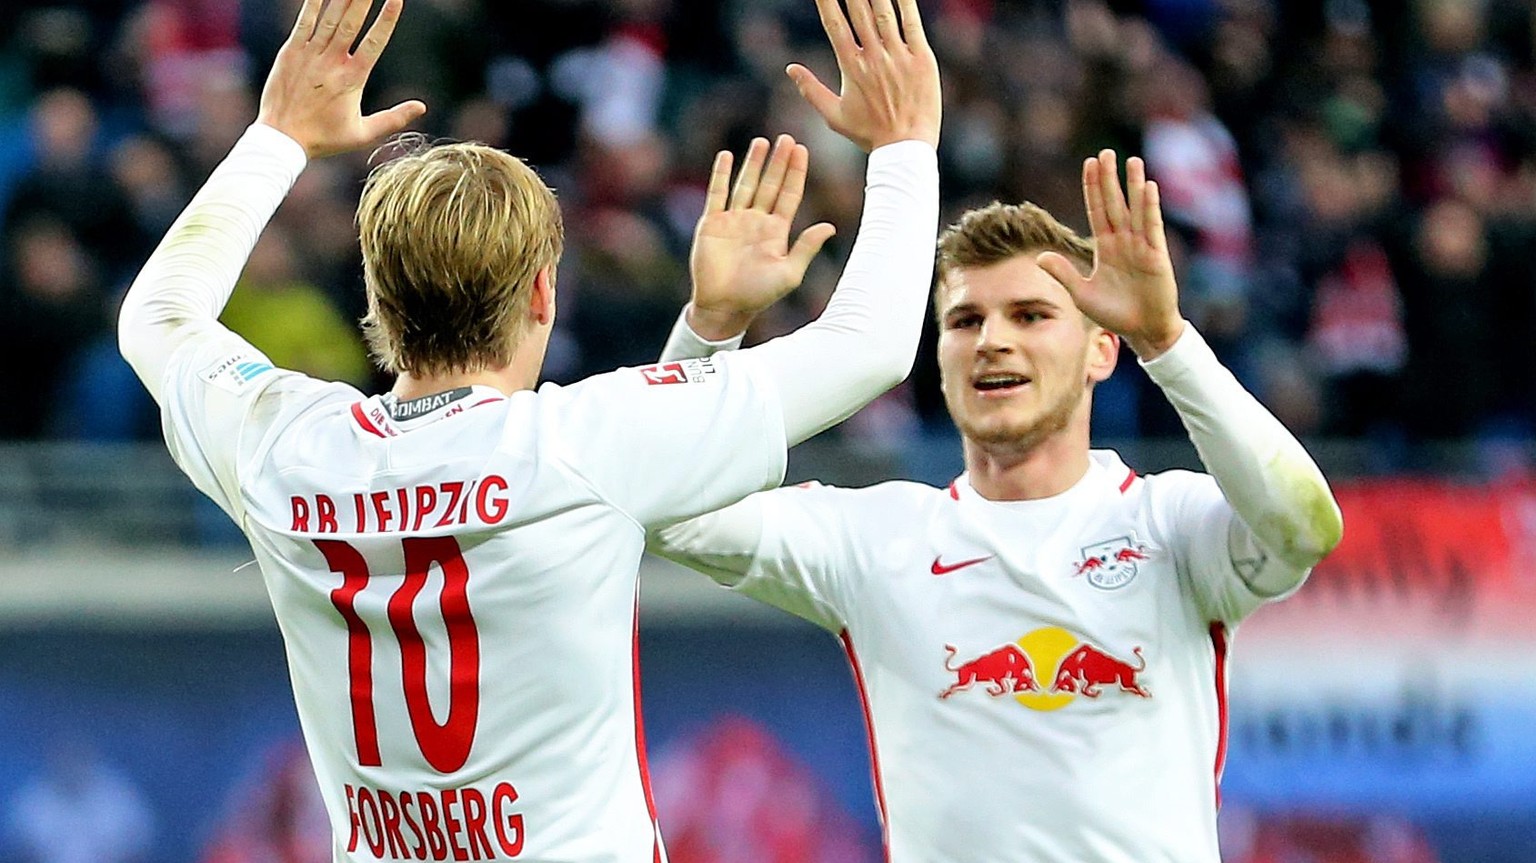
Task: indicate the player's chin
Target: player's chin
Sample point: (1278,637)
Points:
(1002,412)
(996,427)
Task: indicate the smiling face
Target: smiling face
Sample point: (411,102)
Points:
(1017,359)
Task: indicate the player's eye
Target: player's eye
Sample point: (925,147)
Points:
(964,322)
(1030,317)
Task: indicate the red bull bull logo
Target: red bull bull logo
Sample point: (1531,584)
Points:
(1003,670)
(1112,563)
(1076,668)
(1087,669)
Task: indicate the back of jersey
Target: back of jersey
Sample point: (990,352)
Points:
(455,580)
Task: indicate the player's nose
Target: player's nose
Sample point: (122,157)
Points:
(992,339)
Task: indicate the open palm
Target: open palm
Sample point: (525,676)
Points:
(742,260)
(314,93)
(1132,290)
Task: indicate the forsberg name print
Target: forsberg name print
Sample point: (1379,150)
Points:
(450,824)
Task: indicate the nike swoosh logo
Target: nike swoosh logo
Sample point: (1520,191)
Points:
(940,568)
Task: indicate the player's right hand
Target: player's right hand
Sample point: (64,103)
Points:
(1132,290)
(890,86)
(742,262)
(315,91)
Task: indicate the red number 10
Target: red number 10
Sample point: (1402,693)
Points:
(445,746)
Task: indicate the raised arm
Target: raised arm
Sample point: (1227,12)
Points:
(1263,471)
(310,107)
(865,339)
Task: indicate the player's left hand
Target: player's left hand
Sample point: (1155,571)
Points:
(1132,291)
(742,261)
(314,94)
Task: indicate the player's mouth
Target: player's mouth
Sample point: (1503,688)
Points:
(999,384)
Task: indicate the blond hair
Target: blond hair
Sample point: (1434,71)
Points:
(998,232)
(453,237)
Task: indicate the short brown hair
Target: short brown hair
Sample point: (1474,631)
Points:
(452,238)
(997,232)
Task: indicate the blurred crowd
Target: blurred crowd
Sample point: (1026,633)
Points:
(1350,184)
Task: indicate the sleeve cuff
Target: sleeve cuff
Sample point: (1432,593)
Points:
(903,153)
(265,139)
(684,336)
(1190,355)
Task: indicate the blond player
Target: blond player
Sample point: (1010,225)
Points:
(1041,646)
(453,563)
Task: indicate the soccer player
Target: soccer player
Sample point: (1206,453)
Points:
(1041,646)
(453,564)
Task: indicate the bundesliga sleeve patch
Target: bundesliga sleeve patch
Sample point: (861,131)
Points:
(235,373)
(685,372)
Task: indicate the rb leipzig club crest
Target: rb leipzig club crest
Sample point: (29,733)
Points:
(1111,564)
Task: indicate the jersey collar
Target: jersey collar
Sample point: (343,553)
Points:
(1105,470)
(387,416)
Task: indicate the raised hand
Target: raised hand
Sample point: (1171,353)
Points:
(1132,290)
(315,91)
(890,86)
(742,261)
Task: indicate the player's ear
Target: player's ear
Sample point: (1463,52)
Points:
(1103,354)
(541,306)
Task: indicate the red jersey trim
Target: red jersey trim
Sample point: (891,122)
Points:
(1129,478)
(1219,643)
(640,757)
(362,420)
(869,728)
(954,491)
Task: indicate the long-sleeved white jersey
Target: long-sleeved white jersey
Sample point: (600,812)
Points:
(455,576)
(1044,680)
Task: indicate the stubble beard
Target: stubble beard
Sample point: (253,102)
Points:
(1021,436)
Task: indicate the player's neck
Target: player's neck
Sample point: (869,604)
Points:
(1043,469)
(522,373)
(507,379)
(409,387)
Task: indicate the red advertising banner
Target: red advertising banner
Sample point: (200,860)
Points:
(1421,556)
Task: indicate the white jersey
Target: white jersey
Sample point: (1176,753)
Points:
(1044,679)
(455,580)
(455,576)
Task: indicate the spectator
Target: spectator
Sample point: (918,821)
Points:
(68,184)
(290,320)
(53,308)
(1448,298)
